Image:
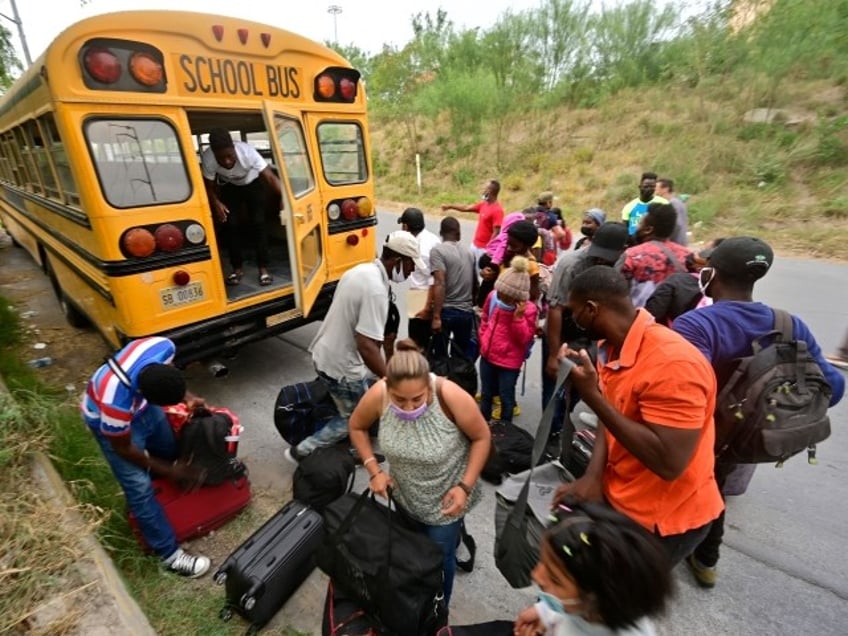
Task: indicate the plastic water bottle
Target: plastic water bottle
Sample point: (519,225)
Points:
(41,362)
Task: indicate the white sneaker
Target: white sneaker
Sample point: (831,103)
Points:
(185,564)
(291,455)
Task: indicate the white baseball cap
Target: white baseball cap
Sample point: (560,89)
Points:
(406,244)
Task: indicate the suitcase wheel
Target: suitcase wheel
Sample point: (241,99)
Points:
(252,630)
(225,614)
(220,577)
(248,602)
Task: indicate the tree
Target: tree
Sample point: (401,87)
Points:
(9,62)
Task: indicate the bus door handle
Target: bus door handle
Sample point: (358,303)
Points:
(300,217)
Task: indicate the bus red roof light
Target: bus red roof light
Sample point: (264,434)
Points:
(347,88)
(102,65)
(218,32)
(169,237)
(242,35)
(145,70)
(266,39)
(326,86)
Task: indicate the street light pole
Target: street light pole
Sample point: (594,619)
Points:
(335,10)
(17,20)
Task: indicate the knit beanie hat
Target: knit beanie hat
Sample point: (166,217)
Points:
(515,280)
(161,384)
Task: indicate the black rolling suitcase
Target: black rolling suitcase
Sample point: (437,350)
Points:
(265,570)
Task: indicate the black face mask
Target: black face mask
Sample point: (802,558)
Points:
(587,231)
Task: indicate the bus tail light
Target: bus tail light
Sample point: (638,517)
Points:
(349,209)
(336,84)
(352,239)
(182,277)
(138,242)
(103,61)
(169,238)
(103,65)
(143,241)
(364,207)
(145,70)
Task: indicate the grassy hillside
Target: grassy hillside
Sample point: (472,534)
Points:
(785,181)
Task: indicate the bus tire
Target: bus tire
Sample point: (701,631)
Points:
(74,316)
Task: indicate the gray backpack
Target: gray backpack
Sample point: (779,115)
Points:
(774,402)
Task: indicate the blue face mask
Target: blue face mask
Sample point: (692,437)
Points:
(408,416)
(503,305)
(554,604)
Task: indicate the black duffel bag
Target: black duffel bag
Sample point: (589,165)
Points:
(302,409)
(323,476)
(453,365)
(393,573)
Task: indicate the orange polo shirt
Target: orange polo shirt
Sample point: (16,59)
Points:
(661,378)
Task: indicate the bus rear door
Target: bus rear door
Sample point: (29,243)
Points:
(302,208)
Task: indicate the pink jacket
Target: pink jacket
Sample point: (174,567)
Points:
(503,339)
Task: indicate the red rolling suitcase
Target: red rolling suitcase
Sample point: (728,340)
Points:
(265,570)
(193,514)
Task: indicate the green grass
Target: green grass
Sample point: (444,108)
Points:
(43,418)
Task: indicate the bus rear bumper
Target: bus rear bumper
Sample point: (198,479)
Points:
(225,334)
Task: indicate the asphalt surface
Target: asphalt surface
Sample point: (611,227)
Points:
(783,567)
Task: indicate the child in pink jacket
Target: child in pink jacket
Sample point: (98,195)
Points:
(507,329)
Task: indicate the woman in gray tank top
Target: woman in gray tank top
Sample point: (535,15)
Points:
(435,440)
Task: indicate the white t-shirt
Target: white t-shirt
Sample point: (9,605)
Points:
(422,278)
(249,163)
(360,305)
(572,625)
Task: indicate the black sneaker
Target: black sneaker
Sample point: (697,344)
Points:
(379,457)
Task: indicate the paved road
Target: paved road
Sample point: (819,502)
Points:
(783,570)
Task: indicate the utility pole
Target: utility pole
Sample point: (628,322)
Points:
(335,10)
(17,20)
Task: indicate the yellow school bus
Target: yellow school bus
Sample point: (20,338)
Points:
(101,179)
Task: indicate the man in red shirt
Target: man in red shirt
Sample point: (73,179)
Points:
(491,216)
(654,394)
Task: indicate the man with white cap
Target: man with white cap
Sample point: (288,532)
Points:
(347,350)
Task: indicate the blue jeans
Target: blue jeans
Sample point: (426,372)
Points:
(458,324)
(495,380)
(346,395)
(446,537)
(149,431)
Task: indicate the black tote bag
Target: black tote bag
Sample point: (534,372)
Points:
(393,572)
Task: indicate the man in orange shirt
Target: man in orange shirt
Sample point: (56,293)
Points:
(654,394)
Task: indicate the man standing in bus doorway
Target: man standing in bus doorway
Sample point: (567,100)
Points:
(490,216)
(235,175)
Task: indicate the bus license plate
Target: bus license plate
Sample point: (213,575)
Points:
(177,296)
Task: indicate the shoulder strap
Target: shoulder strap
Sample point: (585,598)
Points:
(783,324)
(445,408)
(671,256)
(118,370)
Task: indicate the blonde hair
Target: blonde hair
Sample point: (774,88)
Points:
(407,363)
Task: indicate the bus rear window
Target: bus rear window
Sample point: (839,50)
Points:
(138,162)
(342,153)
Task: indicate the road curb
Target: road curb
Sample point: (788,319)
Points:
(131,619)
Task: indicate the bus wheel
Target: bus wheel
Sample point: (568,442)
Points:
(73,315)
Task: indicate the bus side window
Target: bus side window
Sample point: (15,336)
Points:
(60,159)
(42,159)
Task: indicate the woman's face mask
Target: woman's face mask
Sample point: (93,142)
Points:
(408,416)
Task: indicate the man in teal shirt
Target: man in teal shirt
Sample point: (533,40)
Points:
(633,212)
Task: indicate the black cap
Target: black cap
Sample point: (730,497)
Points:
(414,219)
(743,258)
(608,242)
